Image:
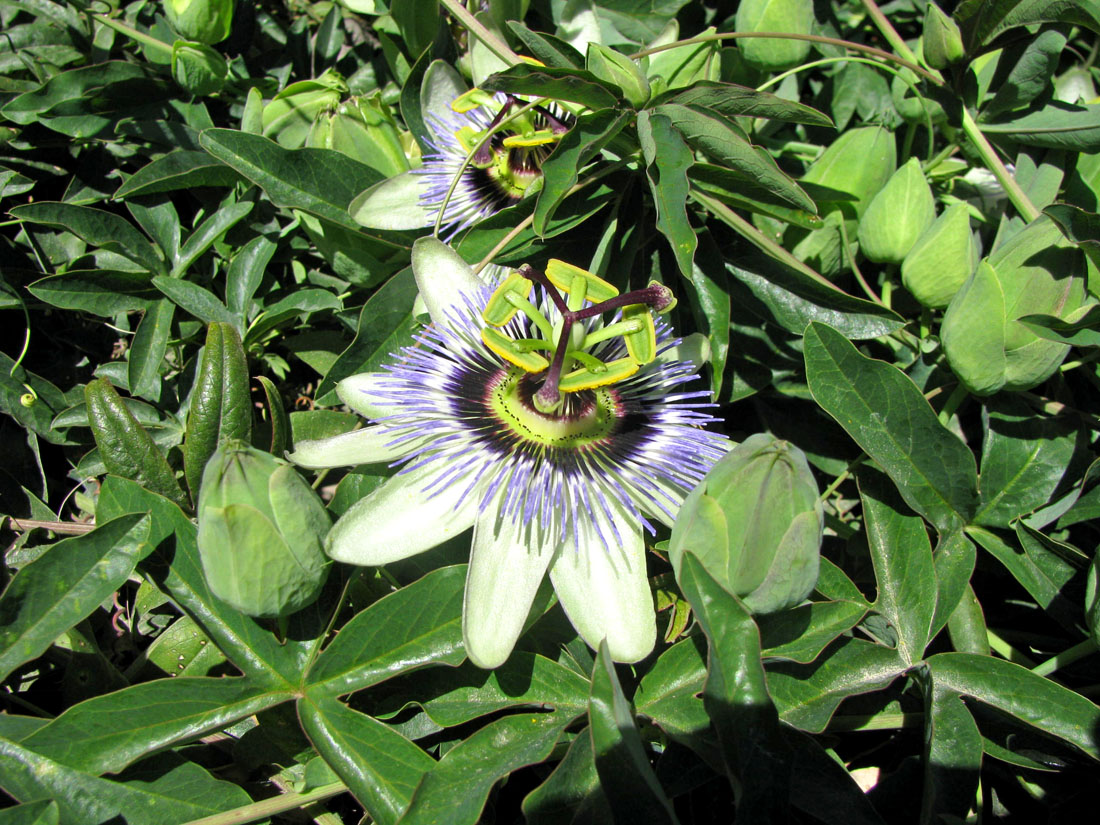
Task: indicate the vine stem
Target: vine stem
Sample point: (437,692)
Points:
(268,807)
(478,30)
(1068,656)
(71,528)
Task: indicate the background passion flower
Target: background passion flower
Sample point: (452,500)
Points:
(566,489)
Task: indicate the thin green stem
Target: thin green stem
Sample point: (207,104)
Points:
(138,36)
(866,287)
(812,38)
(878,721)
(958,395)
(1066,657)
(895,39)
(270,807)
(758,238)
(1004,649)
(478,30)
(993,163)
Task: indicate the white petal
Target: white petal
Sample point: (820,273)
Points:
(443,277)
(400,519)
(605,591)
(367,446)
(392,204)
(359,393)
(507,565)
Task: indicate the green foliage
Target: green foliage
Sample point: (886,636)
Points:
(210,208)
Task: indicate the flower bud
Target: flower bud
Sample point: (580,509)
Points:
(859,162)
(197,68)
(364,129)
(899,214)
(942,40)
(204,21)
(288,116)
(1036,272)
(607,64)
(261,529)
(942,258)
(755,523)
(791,16)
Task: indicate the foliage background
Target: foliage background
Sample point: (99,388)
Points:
(946,659)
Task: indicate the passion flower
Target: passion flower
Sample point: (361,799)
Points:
(554,431)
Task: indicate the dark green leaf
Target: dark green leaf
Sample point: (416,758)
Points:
(99,291)
(572,85)
(952,757)
(1076,224)
(209,231)
(456,789)
(1055,125)
(277,419)
(801,633)
(246,273)
(571,794)
(1030,76)
(380,766)
(194,299)
(983,20)
(64,586)
(419,625)
(733,101)
(954,557)
(735,189)
(626,776)
(668,693)
(667,160)
(182,169)
(552,51)
(147,350)
(99,228)
(885,413)
(1016,691)
(791,299)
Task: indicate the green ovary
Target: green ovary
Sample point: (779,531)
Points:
(591,414)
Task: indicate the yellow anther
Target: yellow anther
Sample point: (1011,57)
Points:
(500,310)
(587,379)
(561,275)
(514,352)
(642,345)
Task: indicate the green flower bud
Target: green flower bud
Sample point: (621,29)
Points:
(261,529)
(1036,272)
(288,117)
(364,129)
(197,68)
(859,162)
(204,21)
(942,40)
(942,258)
(755,522)
(897,215)
(790,16)
(607,64)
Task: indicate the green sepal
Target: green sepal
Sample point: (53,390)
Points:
(220,407)
(514,352)
(499,310)
(590,378)
(562,274)
(642,345)
(125,447)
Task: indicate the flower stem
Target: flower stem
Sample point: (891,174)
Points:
(478,30)
(1068,656)
(269,807)
(138,36)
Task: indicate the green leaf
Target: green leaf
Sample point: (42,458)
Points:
(182,169)
(299,302)
(221,405)
(572,792)
(736,697)
(168,792)
(589,135)
(386,324)
(552,51)
(788,297)
(1077,225)
(177,571)
(808,695)
(738,190)
(209,231)
(1016,691)
(110,732)
(1083,332)
(667,159)
(380,766)
(42,812)
(626,777)
(886,414)
(1040,572)
(105,230)
(194,299)
(417,20)
(418,625)
(1030,76)
(101,291)
(801,633)
(1025,459)
(952,757)
(125,447)
(954,558)
(455,790)
(983,20)
(279,425)
(668,693)
(146,352)
(64,585)
(1055,125)
(726,143)
(902,557)
(572,85)
(732,100)
(322,182)
(710,304)
(246,273)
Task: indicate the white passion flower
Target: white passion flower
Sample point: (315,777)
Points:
(508,140)
(554,426)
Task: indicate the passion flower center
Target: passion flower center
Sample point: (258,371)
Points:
(588,417)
